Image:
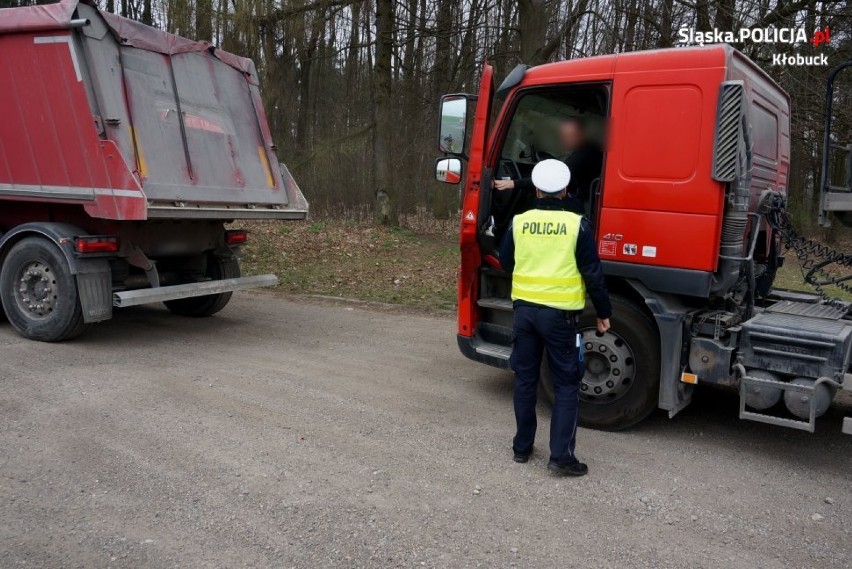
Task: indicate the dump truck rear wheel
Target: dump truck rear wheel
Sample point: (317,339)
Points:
(208,305)
(39,293)
(622,369)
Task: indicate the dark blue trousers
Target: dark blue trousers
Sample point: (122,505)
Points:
(538,328)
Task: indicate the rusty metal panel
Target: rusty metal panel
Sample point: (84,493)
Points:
(190,126)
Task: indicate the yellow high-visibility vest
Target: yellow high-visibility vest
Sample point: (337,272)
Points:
(545,264)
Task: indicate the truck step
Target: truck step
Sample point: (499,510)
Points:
(495,303)
(494,350)
(495,333)
(777,421)
(809,425)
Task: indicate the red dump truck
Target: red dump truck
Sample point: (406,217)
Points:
(124,151)
(690,219)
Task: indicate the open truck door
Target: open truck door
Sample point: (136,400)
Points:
(477,184)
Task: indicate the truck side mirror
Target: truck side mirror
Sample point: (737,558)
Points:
(448,170)
(451,137)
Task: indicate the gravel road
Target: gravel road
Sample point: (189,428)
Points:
(289,433)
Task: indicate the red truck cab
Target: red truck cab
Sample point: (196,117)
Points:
(696,147)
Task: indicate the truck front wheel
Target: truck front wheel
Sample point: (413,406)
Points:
(621,383)
(217,269)
(39,293)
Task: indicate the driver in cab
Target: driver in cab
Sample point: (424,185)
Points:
(584,161)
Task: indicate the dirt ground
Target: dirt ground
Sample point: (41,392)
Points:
(286,433)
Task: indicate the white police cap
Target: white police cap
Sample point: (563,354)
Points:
(551,176)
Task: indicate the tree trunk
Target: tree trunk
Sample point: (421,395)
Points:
(203,19)
(443,47)
(147,14)
(725,15)
(384,213)
(702,15)
(666,31)
(532,28)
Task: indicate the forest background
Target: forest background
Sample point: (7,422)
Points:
(351,90)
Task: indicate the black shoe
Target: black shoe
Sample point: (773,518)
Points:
(520,457)
(575,468)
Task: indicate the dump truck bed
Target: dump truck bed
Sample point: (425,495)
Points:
(132,122)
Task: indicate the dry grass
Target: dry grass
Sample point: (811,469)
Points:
(350,258)
(791,276)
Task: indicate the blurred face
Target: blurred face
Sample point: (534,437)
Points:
(571,135)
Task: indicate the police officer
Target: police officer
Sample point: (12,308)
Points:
(553,260)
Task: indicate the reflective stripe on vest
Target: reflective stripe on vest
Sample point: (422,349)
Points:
(545,264)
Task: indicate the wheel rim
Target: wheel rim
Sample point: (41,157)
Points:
(610,367)
(36,291)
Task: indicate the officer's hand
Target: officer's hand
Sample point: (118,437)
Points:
(603,325)
(501,185)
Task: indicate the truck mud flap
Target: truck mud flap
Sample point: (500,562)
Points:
(94,287)
(670,316)
(160,294)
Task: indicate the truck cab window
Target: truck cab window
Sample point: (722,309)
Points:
(539,130)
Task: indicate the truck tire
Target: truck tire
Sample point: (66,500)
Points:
(200,306)
(39,293)
(622,380)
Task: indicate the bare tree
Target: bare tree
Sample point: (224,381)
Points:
(383,113)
